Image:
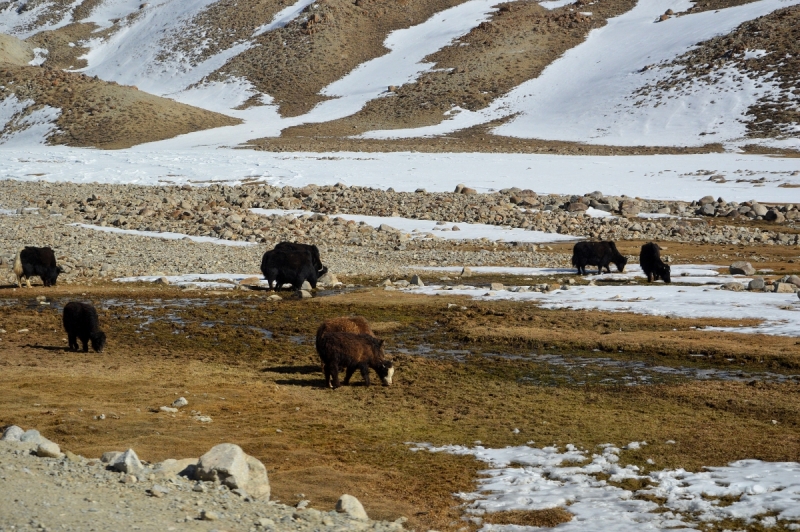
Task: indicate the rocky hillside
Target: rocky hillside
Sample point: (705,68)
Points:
(338,74)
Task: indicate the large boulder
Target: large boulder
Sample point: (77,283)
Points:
(741,267)
(229,464)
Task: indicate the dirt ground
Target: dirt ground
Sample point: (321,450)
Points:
(250,364)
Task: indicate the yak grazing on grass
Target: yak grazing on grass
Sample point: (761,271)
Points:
(353,352)
(80,321)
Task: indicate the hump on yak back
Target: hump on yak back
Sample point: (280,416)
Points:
(311,248)
(349,324)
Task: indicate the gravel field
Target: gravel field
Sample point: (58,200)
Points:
(76,493)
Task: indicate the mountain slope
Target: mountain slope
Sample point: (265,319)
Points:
(521,75)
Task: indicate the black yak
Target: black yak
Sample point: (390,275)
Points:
(652,265)
(282,266)
(599,254)
(80,321)
(33,261)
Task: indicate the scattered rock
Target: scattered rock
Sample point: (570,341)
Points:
(351,506)
(496,287)
(49,449)
(180,402)
(757,283)
(126,462)
(416,281)
(168,409)
(733,286)
(12,433)
(742,268)
(230,465)
(785,288)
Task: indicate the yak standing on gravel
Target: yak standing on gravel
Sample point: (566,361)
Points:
(353,351)
(652,265)
(80,321)
(282,266)
(599,254)
(33,261)
(314,250)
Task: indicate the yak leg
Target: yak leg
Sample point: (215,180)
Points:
(327,373)
(365,373)
(334,372)
(73,342)
(349,373)
(85,340)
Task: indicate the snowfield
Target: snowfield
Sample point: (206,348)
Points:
(675,177)
(779,313)
(542,478)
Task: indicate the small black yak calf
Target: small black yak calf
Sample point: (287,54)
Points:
(282,266)
(33,261)
(80,321)
(353,351)
(599,254)
(652,265)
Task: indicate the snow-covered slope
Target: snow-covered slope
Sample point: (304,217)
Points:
(590,94)
(606,90)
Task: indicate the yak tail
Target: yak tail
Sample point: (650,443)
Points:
(17,269)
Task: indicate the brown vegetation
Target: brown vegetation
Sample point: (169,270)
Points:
(252,385)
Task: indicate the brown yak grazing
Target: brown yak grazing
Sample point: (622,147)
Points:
(353,351)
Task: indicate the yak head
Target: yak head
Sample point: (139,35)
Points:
(621,264)
(98,340)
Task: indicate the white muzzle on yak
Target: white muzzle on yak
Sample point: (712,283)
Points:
(387,381)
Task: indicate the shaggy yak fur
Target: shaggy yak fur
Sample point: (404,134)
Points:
(353,351)
(282,266)
(33,261)
(351,324)
(314,250)
(599,254)
(652,265)
(80,321)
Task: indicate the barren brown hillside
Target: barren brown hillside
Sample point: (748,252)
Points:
(101,114)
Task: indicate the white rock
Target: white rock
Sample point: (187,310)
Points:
(180,402)
(416,281)
(305,286)
(351,506)
(496,286)
(170,467)
(127,462)
(110,456)
(49,449)
(229,464)
(12,433)
(32,436)
(168,409)
(274,297)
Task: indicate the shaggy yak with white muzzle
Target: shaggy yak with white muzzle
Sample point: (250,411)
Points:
(353,352)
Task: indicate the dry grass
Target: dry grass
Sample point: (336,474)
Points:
(542,518)
(352,440)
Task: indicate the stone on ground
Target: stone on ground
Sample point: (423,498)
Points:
(351,506)
(741,267)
